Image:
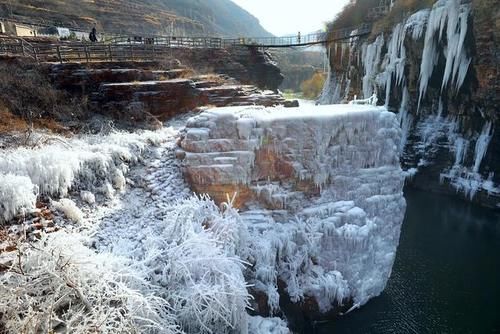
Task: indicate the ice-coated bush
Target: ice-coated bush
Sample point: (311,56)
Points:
(59,285)
(194,259)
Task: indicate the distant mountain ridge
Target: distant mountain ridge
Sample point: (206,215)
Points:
(176,17)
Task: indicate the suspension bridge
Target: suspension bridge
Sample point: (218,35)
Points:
(122,47)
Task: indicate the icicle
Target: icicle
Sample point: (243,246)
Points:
(371,60)
(450,14)
(416,23)
(482,146)
(405,119)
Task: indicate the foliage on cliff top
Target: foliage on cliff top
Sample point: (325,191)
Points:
(353,14)
(401,9)
(356,12)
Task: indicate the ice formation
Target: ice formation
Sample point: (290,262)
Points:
(454,16)
(180,263)
(443,30)
(371,61)
(336,243)
(387,70)
(17,194)
(468,179)
(436,132)
(405,119)
(89,163)
(336,90)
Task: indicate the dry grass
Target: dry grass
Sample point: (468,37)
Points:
(312,88)
(10,122)
(28,100)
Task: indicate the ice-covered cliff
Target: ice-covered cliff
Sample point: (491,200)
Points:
(320,193)
(118,241)
(432,69)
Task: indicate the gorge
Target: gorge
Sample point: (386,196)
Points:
(188,195)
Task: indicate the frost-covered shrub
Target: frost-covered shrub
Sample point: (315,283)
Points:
(193,257)
(59,285)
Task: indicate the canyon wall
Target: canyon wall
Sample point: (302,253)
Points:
(438,70)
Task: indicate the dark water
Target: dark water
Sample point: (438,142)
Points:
(446,278)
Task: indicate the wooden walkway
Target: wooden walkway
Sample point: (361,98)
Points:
(126,48)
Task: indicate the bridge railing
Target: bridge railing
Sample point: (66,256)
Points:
(277,41)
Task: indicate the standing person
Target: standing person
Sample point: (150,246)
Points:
(93,35)
(298,37)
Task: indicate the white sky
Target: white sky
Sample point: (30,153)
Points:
(282,17)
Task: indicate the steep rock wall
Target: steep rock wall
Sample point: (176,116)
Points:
(438,69)
(320,190)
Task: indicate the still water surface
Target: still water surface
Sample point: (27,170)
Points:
(446,277)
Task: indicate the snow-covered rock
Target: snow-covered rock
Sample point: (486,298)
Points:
(320,190)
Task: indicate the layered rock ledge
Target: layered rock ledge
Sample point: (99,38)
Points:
(320,190)
(137,94)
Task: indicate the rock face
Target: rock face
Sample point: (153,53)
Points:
(248,65)
(320,190)
(137,95)
(437,69)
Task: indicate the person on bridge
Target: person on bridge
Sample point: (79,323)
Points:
(298,37)
(93,35)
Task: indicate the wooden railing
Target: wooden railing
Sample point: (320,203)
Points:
(168,41)
(81,52)
(17,46)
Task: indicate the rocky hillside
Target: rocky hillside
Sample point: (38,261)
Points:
(191,17)
(438,69)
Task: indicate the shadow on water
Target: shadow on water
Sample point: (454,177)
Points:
(446,277)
